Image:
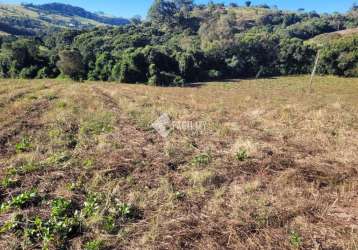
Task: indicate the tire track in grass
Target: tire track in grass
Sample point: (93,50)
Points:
(145,145)
(25,121)
(148,147)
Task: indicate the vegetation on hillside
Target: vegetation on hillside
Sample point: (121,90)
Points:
(35,20)
(73,11)
(182,42)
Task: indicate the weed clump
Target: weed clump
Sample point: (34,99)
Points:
(97,125)
(295,239)
(202,159)
(20,201)
(94,245)
(242,155)
(61,225)
(9,182)
(24,145)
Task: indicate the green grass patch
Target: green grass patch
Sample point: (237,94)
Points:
(202,159)
(24,145)
(242,155)
(97,125)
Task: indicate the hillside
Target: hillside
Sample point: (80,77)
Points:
(329,37)
(29,19)
(259,164)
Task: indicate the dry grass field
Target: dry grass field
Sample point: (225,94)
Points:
(253,164)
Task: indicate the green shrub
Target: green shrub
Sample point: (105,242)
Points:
(28,73)
(214,74)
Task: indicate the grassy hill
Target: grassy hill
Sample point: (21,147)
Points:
(259,164)
(28,19)
(332,36)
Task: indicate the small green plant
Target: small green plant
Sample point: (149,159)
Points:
(29,167)
(94,245)
(202,159)
(71,186)
(51,97)
(58,158)
(125,210)
(295,239)
(11,225)
(11,171)
(61,225)
(62,104)
(24,145)
(91,205)
(60,207)
(19,201)
(57,229)
(8,182)
(88,163)
(23,199)
(25,168)
(241,155)
(110,224)
(38,230)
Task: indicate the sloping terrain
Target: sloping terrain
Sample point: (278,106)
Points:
(257,164)
(327,37)
(28,19)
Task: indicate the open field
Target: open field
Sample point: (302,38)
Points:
(257,164)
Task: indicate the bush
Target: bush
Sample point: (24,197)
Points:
(214,74)
(28,73)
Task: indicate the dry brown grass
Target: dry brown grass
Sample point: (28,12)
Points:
(295,187)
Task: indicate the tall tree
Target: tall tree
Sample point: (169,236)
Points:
(162,12)
(70,64)
(248,3)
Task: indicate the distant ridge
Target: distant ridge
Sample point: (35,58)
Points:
(31,19)
(72,11)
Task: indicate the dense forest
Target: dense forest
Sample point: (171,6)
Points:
(181,42)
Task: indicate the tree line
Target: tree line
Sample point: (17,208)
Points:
(181,42)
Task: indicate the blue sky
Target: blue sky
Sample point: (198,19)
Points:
(129,8)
